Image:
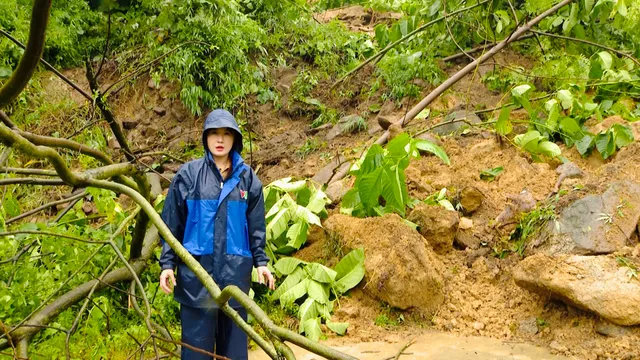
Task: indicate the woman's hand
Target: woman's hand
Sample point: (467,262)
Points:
(265,277)
(165,276)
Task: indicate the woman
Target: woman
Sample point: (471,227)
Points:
(215,207)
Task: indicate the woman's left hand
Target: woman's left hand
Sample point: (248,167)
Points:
(265,277)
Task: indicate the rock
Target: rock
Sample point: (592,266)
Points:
(611,330)
(336,190)
(478,325)
(384,121)
(395,130)
(151,84)
(470,198)
(343,126)
(595,224)
(285,163)
(516,205)
(591,283)
(558,347)
(567,171)
(401,269)
(528,326)
(337,164)
(160,111)
(175,132)
(436,224)
(466,238)
(455,122)
(113,144)
(465,223)
(129,124)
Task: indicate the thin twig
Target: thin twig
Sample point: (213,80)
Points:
(77,196)
(106,45)
(446,22)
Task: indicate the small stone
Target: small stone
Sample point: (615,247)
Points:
(528,326)
(175,132)
(113,144)
(160,111)
(285,163)
(129,124)
(148,160)
(478,325)
(151,84)
(465,223)
(558,347)
(471,199)
(384,121)
(608,329)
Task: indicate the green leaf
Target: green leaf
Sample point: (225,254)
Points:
(287,265)
(292,280)
(321,273)
(521,90)
(279,224)
(605,144)
(528,141)
(350,271)
(570,126)
(566,98)
(370,187)
(297,234)
(623,135)
(399,147)
(394,189)
(549,149)
(605,59)
(585,144)
(318,201)
(572,20)
(312,329)
(490,174)
(294,293)
(428,146)
(304,214)
(318,291)
(338,328)
(288,186)
(11,206)
(308,310)
(423,114)
(503,125)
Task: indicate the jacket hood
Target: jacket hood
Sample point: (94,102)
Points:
(220,118)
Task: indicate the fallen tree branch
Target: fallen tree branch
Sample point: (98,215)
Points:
(480,48)
(50,68)
(32,53)
(386,49)
(22,171)
(78,196)
(620,53)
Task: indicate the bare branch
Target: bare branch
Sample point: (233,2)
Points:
(31,181)
(106,46)
(51,68)
(386,49)
(31,56)
(480,48)
(21,171)
(78,196)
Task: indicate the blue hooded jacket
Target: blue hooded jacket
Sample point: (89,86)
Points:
(221,223)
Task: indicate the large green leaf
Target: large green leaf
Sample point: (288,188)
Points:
(394,189)
(318,291)
(321,273)
(584,145)
(318,201)
(297,291)
(372,160)
(432,148)
(606,60)
(338,327)
(528,141)
(350,202)
(503,125)
(399,146)
(566,98)
(304,214)
(287,265)
(279,224)
(312,329)
(606,145)
(288,186)
(297,234)
(350,271)
(292,280)
(549,149)
(623,135)
(370,187)
(308,310)
(570,126)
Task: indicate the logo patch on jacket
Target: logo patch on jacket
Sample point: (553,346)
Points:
(243,194)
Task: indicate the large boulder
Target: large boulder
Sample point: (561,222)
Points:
(592,283)
(437,224)
(595,224)
(401,269)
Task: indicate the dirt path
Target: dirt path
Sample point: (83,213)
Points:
(435,346)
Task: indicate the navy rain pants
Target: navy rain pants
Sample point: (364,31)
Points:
(204,328)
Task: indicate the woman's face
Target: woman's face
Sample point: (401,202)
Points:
(220,141)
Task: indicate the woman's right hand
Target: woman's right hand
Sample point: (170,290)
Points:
(165,285)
